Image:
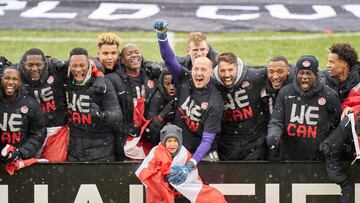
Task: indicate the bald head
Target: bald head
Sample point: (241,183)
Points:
(131,58)
(201,71)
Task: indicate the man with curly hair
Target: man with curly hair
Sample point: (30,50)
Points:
(343,69)
(108,50)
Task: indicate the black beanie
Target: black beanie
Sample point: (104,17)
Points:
(308,62)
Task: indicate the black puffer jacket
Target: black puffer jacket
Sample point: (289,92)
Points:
(269,94)
(149,72)
(243,127)
(297,120)
(24,124)
(91,136)
(342,88)
(49,90)
(157,103)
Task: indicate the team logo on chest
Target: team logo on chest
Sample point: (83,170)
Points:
(245,84)
(204,105)
(150,84)
(24,109)
(322,101)
(50,80)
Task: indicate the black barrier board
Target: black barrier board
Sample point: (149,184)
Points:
(112,182)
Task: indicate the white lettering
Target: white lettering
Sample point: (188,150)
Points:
(41,194)
(41,11)
(353,8)
(106,10)
(241,99)
(300,191)
(46,94)
(14,122)
(4,190)
(11,5)
(210,12)
(80,102)
(311,115)
(88,193)
(134,191)
(272,193)
(321,11)
(191,110)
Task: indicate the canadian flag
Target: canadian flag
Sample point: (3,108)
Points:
(138,147)
(157,165)
(18,164)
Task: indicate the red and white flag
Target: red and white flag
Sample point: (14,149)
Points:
(138,147)
(157,165)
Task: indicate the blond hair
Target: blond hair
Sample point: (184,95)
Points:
(108,38)
(196,37)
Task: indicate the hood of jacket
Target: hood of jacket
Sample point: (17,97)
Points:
(239,74)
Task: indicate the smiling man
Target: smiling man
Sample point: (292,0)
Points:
(279,74)
(43,78)
(297,125)
(92,116)
(24,124)
(199,105)
(134,81)
(243,128)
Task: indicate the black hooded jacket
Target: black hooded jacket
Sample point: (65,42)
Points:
(91,137)
(22,124)
(302,120)
(49,90)
(344,87)
(126,94)
(243,128)
(157,103)
(269,94)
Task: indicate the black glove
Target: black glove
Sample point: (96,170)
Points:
(168,112)
(133,131)
(98,87)
(273,153)
(153,70)
(96,113)
(12,156)
(347,192)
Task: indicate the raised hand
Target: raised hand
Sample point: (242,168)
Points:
(161,27)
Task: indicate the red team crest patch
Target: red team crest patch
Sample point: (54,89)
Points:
(245,84)
(50,80)
(204,105)
(322,101)
(24,109)
(150,83)
(306,64)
